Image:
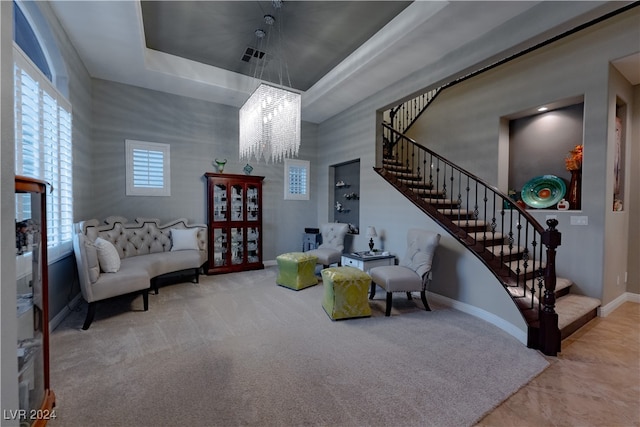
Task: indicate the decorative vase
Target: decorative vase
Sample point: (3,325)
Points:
(221,164)
(574,192)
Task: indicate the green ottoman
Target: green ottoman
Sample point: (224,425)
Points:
(345,292)
(296,270)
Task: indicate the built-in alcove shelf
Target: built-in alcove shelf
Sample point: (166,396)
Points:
(540,142)
(345,203)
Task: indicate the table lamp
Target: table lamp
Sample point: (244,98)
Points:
(371,233)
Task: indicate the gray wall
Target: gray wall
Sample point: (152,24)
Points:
(9,385)
(198,132)
(633,282)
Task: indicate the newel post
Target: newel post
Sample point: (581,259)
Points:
(549,332)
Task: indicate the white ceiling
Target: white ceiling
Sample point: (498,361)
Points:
(109,37)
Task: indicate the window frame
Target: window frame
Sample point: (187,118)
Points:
(132,145)
(290,192)
(48,137)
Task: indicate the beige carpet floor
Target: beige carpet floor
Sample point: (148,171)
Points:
(238,350)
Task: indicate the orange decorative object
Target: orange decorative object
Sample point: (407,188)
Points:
(544,193)
(573,161)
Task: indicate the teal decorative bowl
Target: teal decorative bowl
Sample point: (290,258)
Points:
(543,191)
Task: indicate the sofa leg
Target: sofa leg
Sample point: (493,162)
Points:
(145,299)
(197,276)
(154,285)
(409,296)
(389,298)
(372,292)
(91,312)
(423,297)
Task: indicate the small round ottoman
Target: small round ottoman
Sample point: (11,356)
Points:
(345,292)
(296,270)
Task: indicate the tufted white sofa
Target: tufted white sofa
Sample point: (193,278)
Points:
(145,250)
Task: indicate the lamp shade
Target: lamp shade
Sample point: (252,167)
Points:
(371,232)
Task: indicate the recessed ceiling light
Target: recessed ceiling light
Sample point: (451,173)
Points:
(543,109)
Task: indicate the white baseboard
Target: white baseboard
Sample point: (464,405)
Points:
(58,318)
(606,310)
(509,328)
(270,263)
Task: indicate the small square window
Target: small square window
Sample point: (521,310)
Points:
(296,179)
(148,171)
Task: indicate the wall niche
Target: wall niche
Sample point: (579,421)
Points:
(346,194)
(540,143)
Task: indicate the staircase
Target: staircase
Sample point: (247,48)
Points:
(505,237)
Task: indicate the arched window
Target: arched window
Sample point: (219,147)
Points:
(24,36)
(42,126)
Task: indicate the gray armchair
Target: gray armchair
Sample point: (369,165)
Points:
(330,250)
(414,272)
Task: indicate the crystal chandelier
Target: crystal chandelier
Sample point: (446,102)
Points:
(270,118)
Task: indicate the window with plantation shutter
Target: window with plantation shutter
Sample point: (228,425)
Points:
(296,180)
(43,149)
(148,171)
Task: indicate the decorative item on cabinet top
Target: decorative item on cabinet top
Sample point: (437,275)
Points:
(220,164)
(351,196)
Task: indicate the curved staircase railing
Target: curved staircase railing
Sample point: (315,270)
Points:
(402,116)
(505,237)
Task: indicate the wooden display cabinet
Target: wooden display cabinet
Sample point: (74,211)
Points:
(36,399)
(234,219)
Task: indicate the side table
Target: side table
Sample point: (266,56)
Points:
(365,261)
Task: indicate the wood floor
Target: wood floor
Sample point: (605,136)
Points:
(595,381)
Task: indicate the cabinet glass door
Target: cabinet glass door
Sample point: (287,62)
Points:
(29,247)
(237,202)
(220,247)
(253,246)
(252,203)
(220,203)
(237,246)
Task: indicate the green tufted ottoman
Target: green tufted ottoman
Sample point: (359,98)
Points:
(345,292)
(296,270)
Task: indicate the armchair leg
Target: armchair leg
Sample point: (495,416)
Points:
(91,312)
(388,310)
(409,296)
(423,297)
(145,299)
(372,292)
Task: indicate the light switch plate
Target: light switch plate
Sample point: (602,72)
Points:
(579,220)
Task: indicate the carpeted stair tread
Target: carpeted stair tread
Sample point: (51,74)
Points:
(482,236)
(504,250)
(455,213)
(471,225)
(426,191)
(572,307)
(562,285)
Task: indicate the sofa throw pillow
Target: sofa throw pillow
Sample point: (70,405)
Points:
(107,256)
(186,239)
(92,261)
